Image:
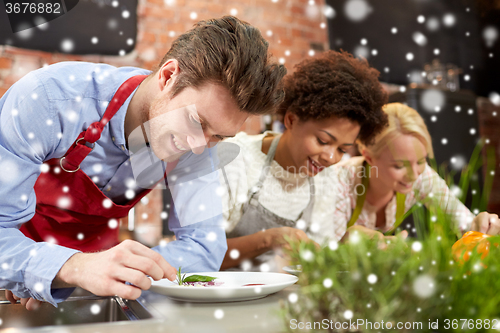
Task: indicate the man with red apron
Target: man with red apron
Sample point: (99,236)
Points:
(66,176)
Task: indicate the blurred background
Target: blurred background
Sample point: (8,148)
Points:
(439,56)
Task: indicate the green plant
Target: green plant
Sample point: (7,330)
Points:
(409,283)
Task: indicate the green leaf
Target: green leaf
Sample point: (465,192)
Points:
(198,278)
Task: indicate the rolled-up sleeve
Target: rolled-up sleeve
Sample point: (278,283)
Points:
(27,136)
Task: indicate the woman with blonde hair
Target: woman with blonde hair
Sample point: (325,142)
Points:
(392,175)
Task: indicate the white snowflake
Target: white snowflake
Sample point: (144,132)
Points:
(9,171)
(211,236)
(431,99)
(432,24)
(44,168)
(490,35)
(494,98)
(264,267)
(38,287)
(361,51)
(424,286)
(112,224)
(307,255)
(234,254)
(293,298)
(67,45)
(357,10)
(219,314)
(449,20)
(301,224)
(329,12)
(97,167)
(333,245)
(315,227)
(64,202)
(95,309)
(372,279)
(419,38)
(246,265)
(416,246)
(348,314)
(129,194)
(106,203)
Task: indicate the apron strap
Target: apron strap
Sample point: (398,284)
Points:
(265,169)
(400,205)
(79,149)
(306,214)
(360,201)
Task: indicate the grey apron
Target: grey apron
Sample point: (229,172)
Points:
(256,217)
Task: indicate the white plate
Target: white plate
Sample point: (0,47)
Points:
(232,290)
(294,269)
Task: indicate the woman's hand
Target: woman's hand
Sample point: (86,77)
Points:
(372,234)
(486,223)
(279,237)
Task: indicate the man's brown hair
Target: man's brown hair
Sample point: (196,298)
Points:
(231,53)
(335,84)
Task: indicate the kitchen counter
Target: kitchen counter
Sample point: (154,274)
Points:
(261,315)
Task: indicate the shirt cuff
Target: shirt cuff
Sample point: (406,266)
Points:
(43,268)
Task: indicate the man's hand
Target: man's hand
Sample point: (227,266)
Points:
(105,273)
(29,303)
(486,223)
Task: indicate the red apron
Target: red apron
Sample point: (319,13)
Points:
(70,209)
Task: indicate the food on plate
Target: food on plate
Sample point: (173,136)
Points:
(196,280)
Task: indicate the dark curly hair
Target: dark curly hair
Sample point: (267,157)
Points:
(335,84)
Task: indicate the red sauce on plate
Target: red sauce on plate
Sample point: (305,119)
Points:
(253,284)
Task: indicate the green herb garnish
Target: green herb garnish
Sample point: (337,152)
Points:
(181,278)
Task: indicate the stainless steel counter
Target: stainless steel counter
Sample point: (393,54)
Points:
(171,316)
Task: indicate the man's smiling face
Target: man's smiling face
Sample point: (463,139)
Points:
(192,119)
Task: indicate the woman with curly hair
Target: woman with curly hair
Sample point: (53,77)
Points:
(281,186)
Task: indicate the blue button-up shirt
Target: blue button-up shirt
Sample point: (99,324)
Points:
(40,117)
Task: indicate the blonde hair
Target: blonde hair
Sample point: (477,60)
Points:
(403,120)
